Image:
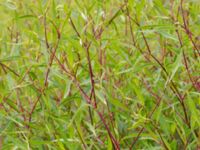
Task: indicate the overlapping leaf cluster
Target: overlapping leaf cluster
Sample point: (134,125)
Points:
(99,74)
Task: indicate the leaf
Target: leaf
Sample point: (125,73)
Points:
(59,142)
(78,111)
(168,36)
(175,67)
(158,112)
(118,104)
(109,146)
(10,58)
(11,5)
(195,113)
(26,16)
(11,104)
(137,90)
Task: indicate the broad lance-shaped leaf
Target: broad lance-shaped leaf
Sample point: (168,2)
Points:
(109,145)
(195,113)
(117,103)
(137,90)
(175,67)
(168,36)
(81,108)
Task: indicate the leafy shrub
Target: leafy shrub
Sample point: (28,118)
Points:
(96,74)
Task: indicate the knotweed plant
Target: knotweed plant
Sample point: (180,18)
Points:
(99,74)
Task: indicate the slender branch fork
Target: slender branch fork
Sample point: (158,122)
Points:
(53,56)
(173,86)
(91,98)
(86,46)
(158,101)
(188,32)
(4,67)
(51,59)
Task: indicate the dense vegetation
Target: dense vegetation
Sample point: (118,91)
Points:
(99,74)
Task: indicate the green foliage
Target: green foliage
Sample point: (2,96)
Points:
(99,74)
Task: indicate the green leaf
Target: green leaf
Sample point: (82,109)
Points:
(175,67)
(137,90)
(118,104)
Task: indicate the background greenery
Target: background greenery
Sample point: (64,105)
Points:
(99,74)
